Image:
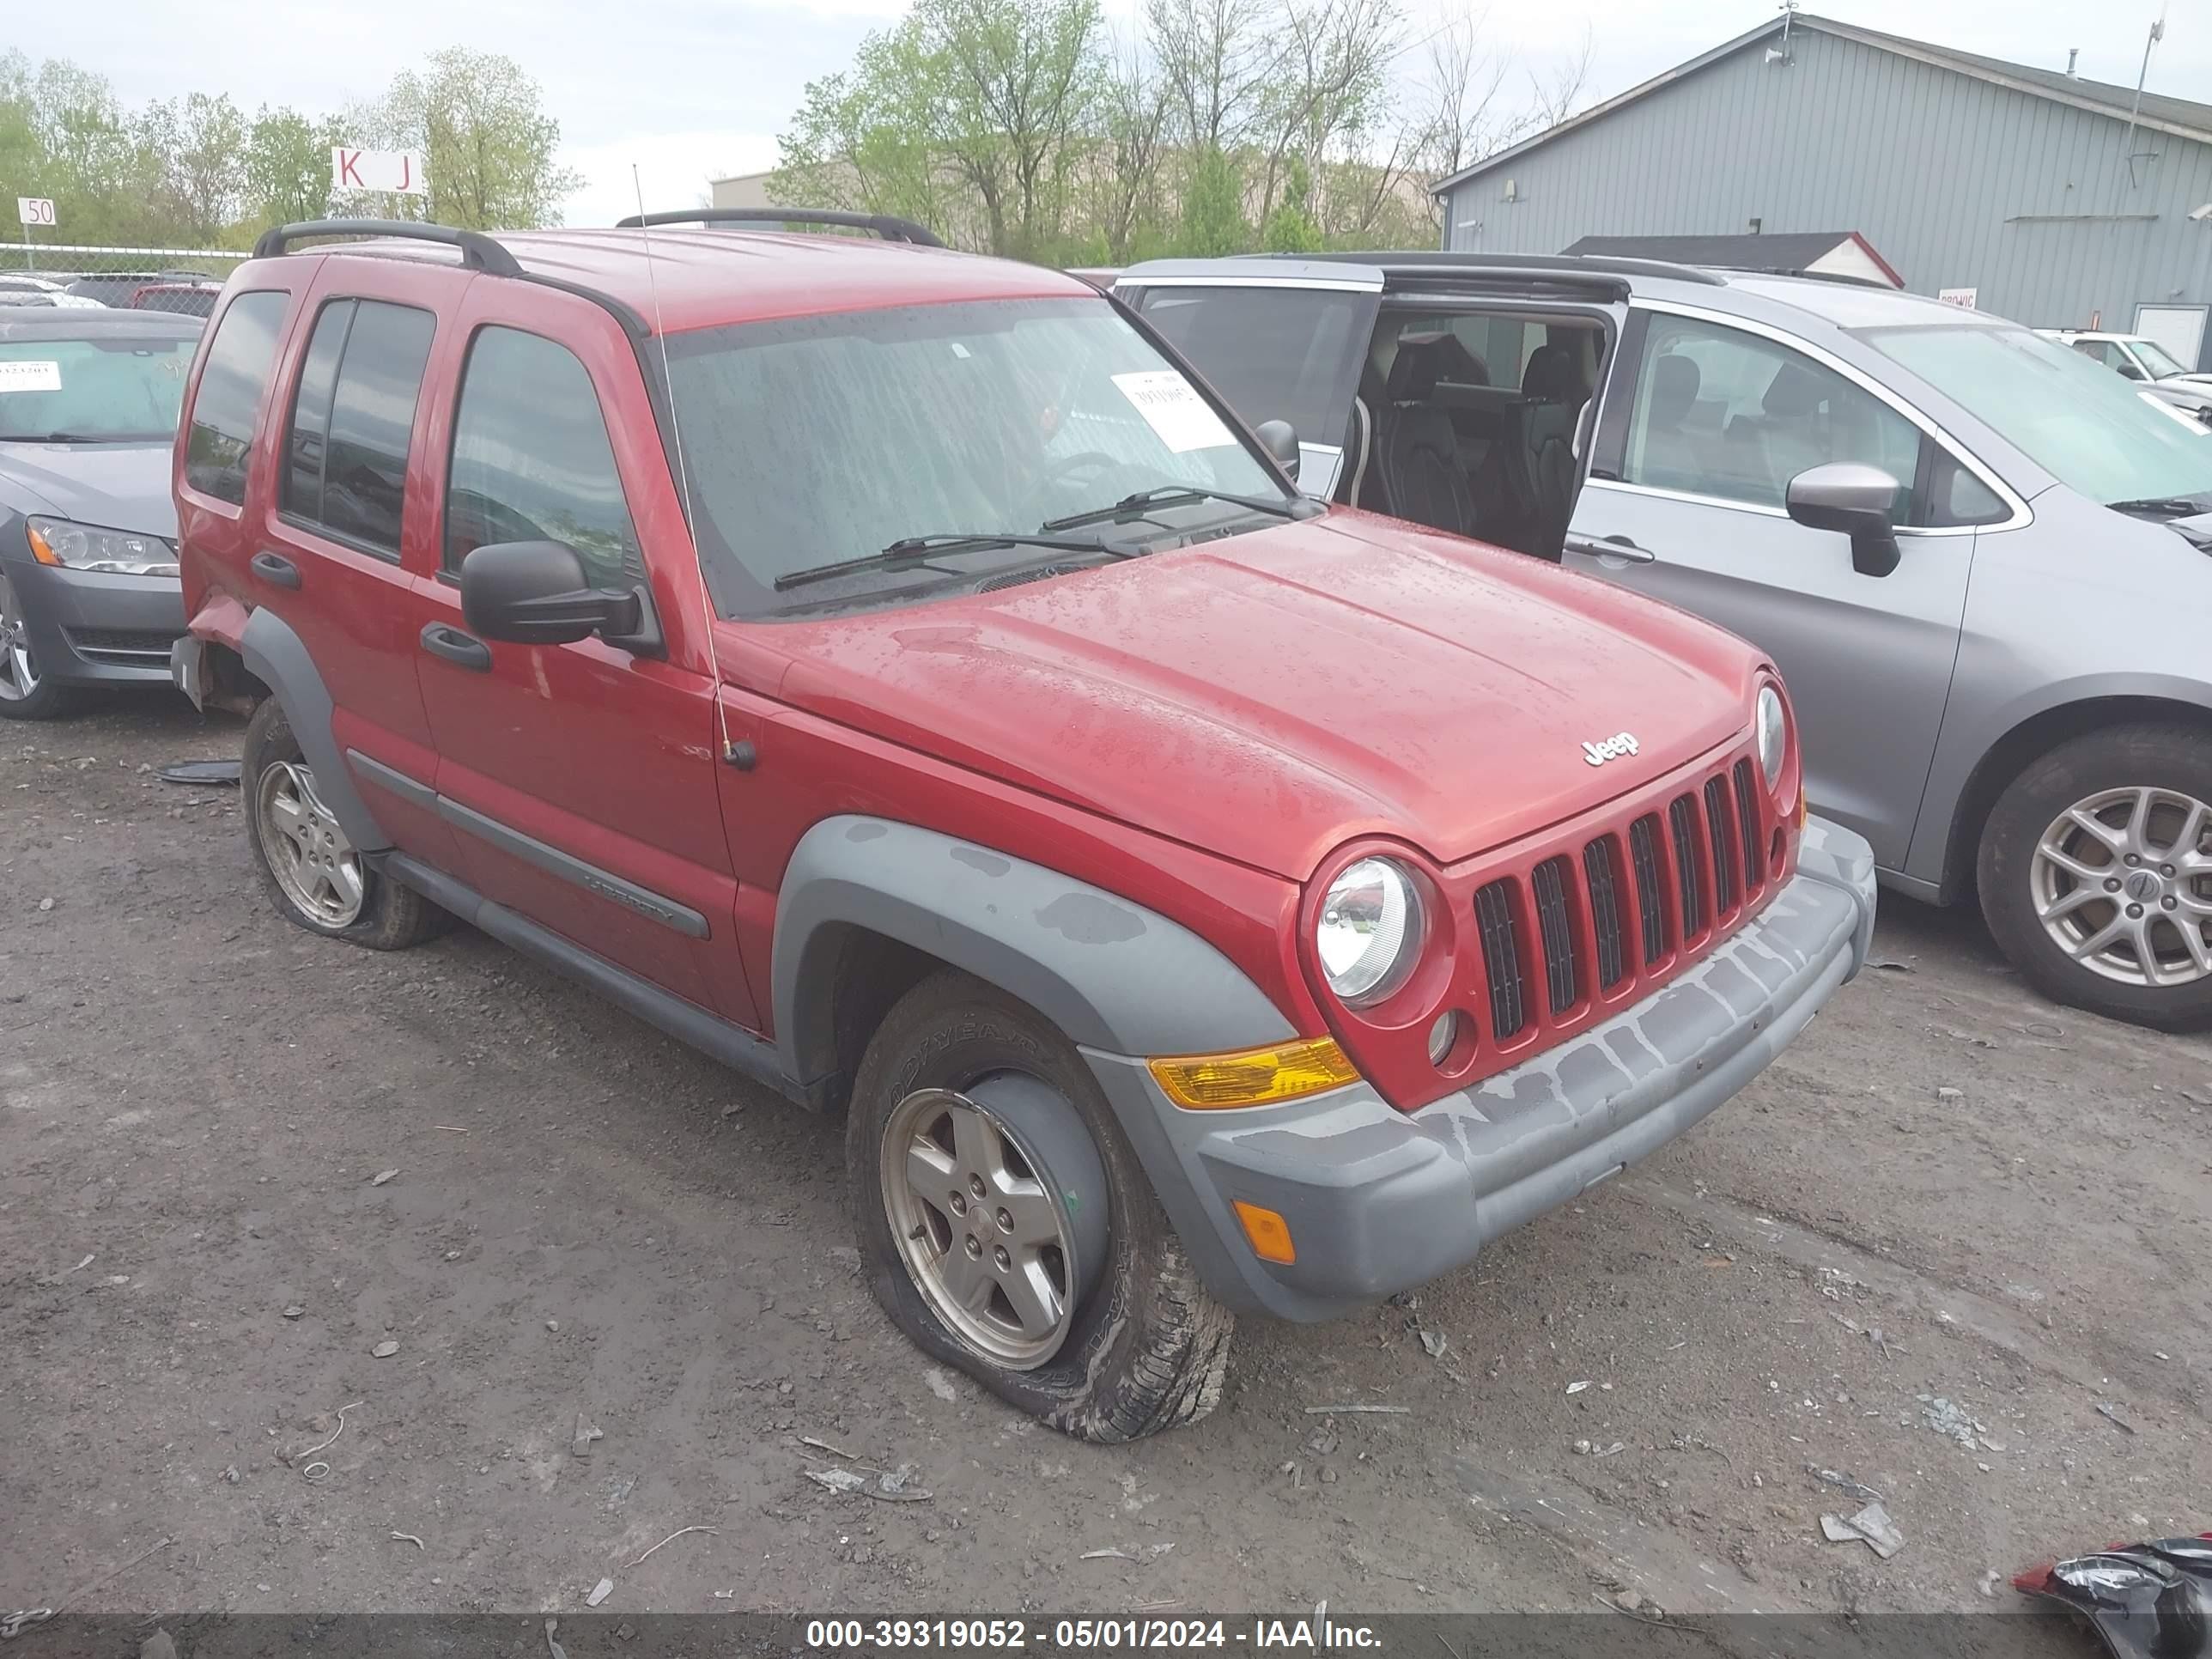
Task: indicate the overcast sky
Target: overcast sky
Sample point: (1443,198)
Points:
(687,89)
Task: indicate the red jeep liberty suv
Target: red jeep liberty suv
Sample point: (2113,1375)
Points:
(898,674)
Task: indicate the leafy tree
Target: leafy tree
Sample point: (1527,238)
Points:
(1291,227)
(196,152)
(288,167)
(487,142)
(1213,207)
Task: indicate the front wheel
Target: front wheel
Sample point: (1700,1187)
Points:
(1007,1228)
(2096,875)
(26,694)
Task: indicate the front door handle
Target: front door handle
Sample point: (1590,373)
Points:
(1611,547)
(464,649)
(275,569)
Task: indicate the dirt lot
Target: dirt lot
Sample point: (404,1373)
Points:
(1949,1207)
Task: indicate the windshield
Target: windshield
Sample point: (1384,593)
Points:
(2155,358)
(2077,420)
(814,441)
(114,388)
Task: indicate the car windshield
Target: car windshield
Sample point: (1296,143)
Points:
(810,441)
(2080,423)
(104,388)
(2155,357)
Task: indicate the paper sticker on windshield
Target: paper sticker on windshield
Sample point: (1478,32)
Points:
(1173,409)
(30,377)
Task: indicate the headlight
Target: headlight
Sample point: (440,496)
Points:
(1773,735)
(1369,936)
(88,547)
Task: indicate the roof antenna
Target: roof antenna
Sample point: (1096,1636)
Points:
(740,755)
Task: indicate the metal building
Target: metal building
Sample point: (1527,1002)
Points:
(2050,198)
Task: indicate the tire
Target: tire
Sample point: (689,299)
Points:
(1142,1346)
(2107,775)
(273,772)
(25,693)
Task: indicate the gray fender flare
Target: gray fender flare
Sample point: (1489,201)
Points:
(1111,974)
(279,660)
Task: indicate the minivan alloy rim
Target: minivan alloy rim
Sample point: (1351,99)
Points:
(985,1242)
(19,671)
(2122,881)
(314,862)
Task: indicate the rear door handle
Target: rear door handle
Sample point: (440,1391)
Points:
(1611,547)
(455,646)
(275,569)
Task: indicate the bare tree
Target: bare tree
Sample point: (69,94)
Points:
(1216,58)
(1328,90)
(1134,108)
(1556,93)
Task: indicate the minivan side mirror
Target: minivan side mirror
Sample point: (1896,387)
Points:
(1853,500)
(536,593)
(1280,440)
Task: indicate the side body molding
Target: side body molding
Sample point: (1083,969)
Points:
(1109,974)
(279,660)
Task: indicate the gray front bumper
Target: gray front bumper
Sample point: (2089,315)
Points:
(90,628)
(1380,1200)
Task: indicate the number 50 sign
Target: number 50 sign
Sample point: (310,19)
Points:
(35,211)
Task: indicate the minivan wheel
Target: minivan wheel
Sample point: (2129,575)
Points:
(2096,875)
(1007,1228)
(314,874)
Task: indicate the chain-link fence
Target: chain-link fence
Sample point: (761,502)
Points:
(176,279)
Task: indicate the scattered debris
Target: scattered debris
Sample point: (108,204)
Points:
(2107,1409)
(1949,1093)
(410,1538)
(1576,1388)
(888,1486)
(450,1128)
(1849,1324)
(1357,1405)
(823,1445)
(159,1645)
(1105,1555)
(294,1311)
(45,904)
(580,1443)
(230,1476)
(1435,1342)
(14,1624)
(381,1176)
(939,1383)
(673,1536)
(1871,1526)
(600,1591)
(217,772)
(384,1350)
(1989,1581)
(324,1445)
(57,1278)
(1948,1418)
(1865,1494)
(1893,967)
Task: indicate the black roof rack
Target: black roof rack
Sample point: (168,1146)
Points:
(890,229)
(478,250)
(1565,266)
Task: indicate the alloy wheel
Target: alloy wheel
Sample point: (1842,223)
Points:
(2122,881)
(19,671)
(314,862)
(979,1226)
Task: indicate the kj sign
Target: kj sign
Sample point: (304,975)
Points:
(399,171)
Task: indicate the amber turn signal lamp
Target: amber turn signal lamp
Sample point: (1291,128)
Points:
(1256,1077)
(1269,1233)
(39,550)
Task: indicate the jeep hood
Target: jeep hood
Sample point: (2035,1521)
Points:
(1270,696)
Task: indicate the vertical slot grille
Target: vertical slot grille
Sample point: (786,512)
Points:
(1562,974)
(1605,912)
(1644,852)
(1682,822)
(1747,813)
(1718,818)
(1501,958)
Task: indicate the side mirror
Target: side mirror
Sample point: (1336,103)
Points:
(536,593)
(1853,500)
(2133,373)
(1280,440)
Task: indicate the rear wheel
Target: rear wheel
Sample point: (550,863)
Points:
(2096,875)
(314,874)
(1007,1228)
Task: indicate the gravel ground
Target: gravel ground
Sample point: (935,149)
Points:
(1949,1247)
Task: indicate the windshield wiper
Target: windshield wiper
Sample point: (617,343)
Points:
(2165,506)
(911,551)
(52,438)
(1166,494)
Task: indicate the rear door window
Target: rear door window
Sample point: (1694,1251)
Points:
(345,453)
(1276,354)
(531,461)
(230,396)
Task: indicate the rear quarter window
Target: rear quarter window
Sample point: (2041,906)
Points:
(235,375)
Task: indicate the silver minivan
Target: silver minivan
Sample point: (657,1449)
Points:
(1979,559)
